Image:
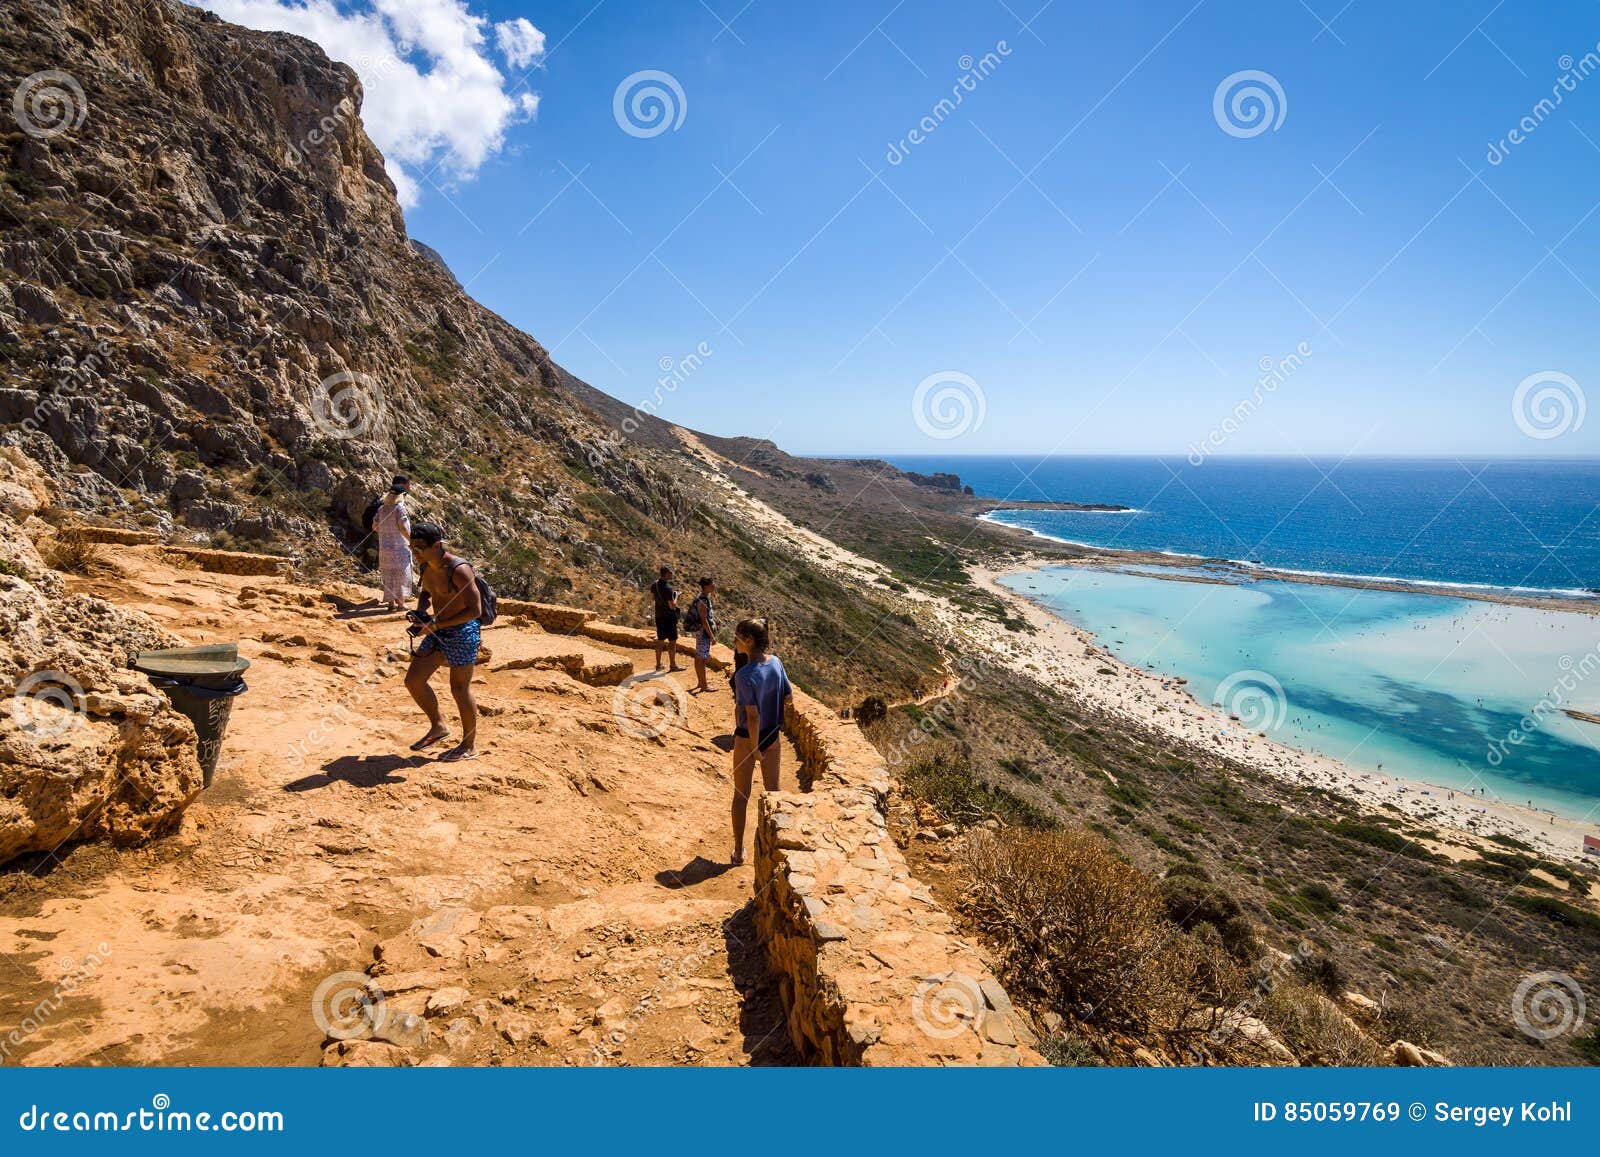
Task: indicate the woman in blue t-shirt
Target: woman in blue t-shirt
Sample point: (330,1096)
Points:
(760,696)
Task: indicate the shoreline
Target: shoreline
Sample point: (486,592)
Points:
(1110,556)
(1068,655)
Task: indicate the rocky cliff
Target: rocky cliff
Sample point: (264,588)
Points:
(87,749)
(213,319)
(214,326)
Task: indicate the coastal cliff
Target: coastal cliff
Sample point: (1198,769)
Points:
(218,341)
(214,327)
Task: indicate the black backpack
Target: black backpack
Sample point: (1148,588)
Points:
(488,602)
(371,516)
(691,617)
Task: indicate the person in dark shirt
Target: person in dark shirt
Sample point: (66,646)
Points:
(665,596)
(761,695)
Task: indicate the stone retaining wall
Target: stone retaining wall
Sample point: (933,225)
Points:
(232,561)
(596,675)
(871,969)
(642,638)
(114,535)
(557,620)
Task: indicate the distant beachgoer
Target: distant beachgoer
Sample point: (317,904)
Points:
(392,525)
(761,694)
(450,637)
(665,597)
(701,618)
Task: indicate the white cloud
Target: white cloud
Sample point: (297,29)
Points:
(519,41)
(435,103)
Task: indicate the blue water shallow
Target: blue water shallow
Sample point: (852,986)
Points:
(1420,686)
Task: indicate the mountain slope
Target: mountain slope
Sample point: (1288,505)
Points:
(213,324)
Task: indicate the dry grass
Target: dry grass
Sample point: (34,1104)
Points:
(1316,1030)
(71,551)
(1086,933)
(942,774)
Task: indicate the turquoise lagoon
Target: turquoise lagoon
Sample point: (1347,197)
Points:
(1419,686)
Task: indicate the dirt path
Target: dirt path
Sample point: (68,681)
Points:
(563,899)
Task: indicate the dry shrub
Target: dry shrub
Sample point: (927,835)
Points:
(1315,1029)
(71,551)
(1490,1053)
(1323,971)
(1240,938)
(1407,1018)
(871,710)
(1088,934)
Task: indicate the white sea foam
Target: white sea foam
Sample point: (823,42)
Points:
(1444,584)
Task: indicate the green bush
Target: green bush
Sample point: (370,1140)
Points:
(1318,897)
(945,779)
(1557,910)
(1589,1046)
(1379,837)
(1190,902)
(870,711)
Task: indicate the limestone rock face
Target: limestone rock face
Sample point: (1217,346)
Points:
(210,273)
(88,750)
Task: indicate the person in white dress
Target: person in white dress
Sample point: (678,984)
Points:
(393,524)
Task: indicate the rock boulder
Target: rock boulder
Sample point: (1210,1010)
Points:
(88,750)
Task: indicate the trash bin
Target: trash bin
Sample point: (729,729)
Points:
(201,682)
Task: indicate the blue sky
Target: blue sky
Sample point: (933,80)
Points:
(1080,238)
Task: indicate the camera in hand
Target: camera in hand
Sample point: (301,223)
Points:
(418,620)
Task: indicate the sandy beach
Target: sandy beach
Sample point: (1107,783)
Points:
(1067,657)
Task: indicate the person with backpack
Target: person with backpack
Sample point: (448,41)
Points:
(462,605)
(665,597)
(701,620)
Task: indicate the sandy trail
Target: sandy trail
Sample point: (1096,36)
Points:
(565,898)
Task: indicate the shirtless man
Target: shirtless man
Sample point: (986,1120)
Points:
(450,587)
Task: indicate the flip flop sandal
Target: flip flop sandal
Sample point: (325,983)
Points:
(429,741)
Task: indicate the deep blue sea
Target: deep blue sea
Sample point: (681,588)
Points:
(1504,522)
(1463,693)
